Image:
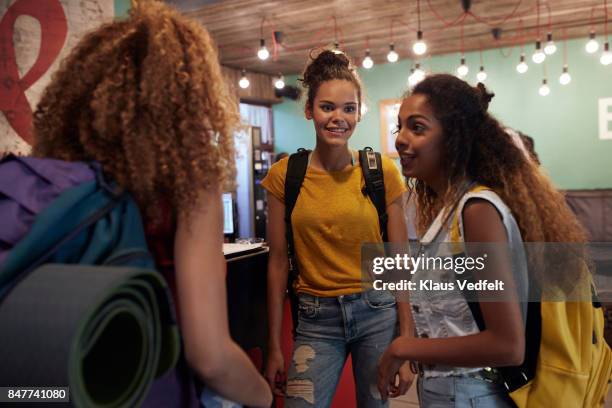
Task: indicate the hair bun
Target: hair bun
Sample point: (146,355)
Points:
(323,64)
(333,58)
(485,96)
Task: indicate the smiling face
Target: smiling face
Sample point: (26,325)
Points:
(419,140)
(334,112)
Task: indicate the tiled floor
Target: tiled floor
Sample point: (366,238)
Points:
(410,400)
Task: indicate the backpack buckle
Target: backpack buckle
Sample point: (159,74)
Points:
(371,157)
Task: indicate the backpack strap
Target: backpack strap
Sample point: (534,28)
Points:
(371,167)
(512,377)
(296,171)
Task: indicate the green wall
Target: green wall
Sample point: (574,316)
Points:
(563,124)
(122,7)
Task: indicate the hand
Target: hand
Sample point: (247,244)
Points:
(388,368)
(275,372)
(406,378)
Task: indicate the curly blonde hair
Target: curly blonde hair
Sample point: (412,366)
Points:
(145,97)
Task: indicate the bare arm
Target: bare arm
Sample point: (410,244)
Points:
(502,342)
(396,228)
(200,278)
(277,284)
(398,234)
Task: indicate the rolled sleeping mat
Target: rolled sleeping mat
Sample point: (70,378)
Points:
(105,332)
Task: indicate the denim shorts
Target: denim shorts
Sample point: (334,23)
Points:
(462,391)
(329,329)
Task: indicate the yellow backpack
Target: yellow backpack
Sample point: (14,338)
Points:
(567,360)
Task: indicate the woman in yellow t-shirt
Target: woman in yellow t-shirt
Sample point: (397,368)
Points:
(331,219)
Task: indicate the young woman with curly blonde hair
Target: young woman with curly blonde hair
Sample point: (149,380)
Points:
(145,98)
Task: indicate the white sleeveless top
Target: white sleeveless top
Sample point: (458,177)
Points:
(446,313)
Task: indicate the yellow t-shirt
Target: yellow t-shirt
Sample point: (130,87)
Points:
(331,219)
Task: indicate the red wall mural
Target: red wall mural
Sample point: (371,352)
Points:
(54,30)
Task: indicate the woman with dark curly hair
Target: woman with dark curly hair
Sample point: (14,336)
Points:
(338,316)
(145,98)
(465,169)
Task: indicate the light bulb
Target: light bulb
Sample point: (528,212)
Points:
(419,74)
(336,49)
(606,55)
(565,77)
(363,109)
(544,89)
(538,56)
(263,52)
(279,83)
(550,48)
(367,62)
(522,66)
(592,45)
(462,70)
(411,82)
(481,75)
(392,55)
(419,47)
(244,81)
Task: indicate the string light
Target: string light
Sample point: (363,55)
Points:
(419,74)
(522,66)
(336,49)
(606,55)
(364,109)
(279,81)
(244,81)
(419,47)
(565,77)
(481,75)
(263,53)
(538,56)
(592,45)
(411,78)
(416,75)
(367,62)
(392,55)
(550,47)
(544,89)
(462,69)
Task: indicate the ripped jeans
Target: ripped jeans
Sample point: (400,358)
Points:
(329,328)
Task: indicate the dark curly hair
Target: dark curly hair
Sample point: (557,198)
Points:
(326,66)
(145,97)
(476,147)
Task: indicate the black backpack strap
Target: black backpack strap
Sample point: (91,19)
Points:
(514,377)
(371,166)
(296,170)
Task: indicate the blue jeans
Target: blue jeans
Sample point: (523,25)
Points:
(329,328)
(210,399)
(462,392)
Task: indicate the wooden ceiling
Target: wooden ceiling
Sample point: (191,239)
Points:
(236,26)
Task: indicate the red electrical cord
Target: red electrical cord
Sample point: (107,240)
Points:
(606,19)
(497,23)
(564,47)
(313,42)
(440,18)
